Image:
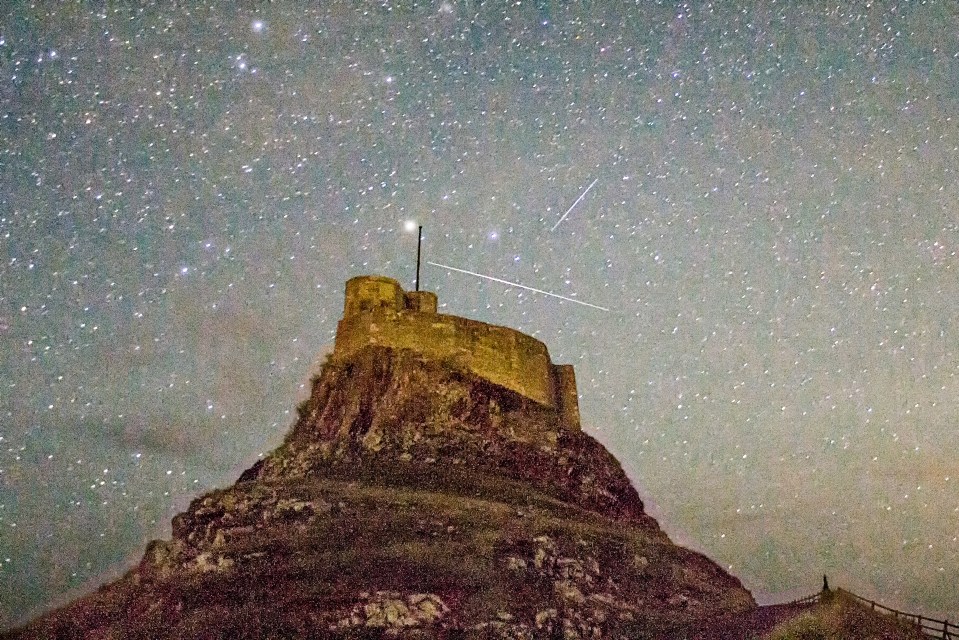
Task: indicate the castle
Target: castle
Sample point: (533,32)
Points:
(378,311)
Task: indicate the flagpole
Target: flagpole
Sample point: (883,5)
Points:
(419,243)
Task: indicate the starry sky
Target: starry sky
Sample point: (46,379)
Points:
(773,225)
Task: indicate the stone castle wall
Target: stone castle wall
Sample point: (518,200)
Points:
(378,312)
(567,398)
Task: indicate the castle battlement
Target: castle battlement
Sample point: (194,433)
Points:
(377,311)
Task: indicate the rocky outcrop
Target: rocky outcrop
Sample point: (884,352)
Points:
(413,499)
(393,405)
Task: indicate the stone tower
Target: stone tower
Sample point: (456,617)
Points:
(379,312)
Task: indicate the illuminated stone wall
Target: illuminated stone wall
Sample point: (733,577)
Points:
(378,312)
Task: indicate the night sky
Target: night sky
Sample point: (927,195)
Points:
(773,226)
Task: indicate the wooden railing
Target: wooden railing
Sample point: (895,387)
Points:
(931,627)
(814,598)
(942,629)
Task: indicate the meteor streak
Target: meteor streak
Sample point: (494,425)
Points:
(581,196)
(516,284)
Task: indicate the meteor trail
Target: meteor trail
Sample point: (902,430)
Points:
(515,284)
(581,196)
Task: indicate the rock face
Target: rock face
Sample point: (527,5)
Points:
(413,499)
(388,406)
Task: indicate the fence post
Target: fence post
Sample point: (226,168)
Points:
(949,631)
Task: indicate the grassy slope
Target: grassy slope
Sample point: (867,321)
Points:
(839,617)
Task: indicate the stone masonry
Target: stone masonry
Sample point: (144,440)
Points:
(379,312)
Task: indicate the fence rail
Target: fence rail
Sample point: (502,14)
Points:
(942,629)
(816,597)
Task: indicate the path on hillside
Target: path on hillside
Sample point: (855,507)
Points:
(746,625)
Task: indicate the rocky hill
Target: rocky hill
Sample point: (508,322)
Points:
(414,498)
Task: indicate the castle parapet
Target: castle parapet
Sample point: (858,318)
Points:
(378,312)
(368,294)
(420,301)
